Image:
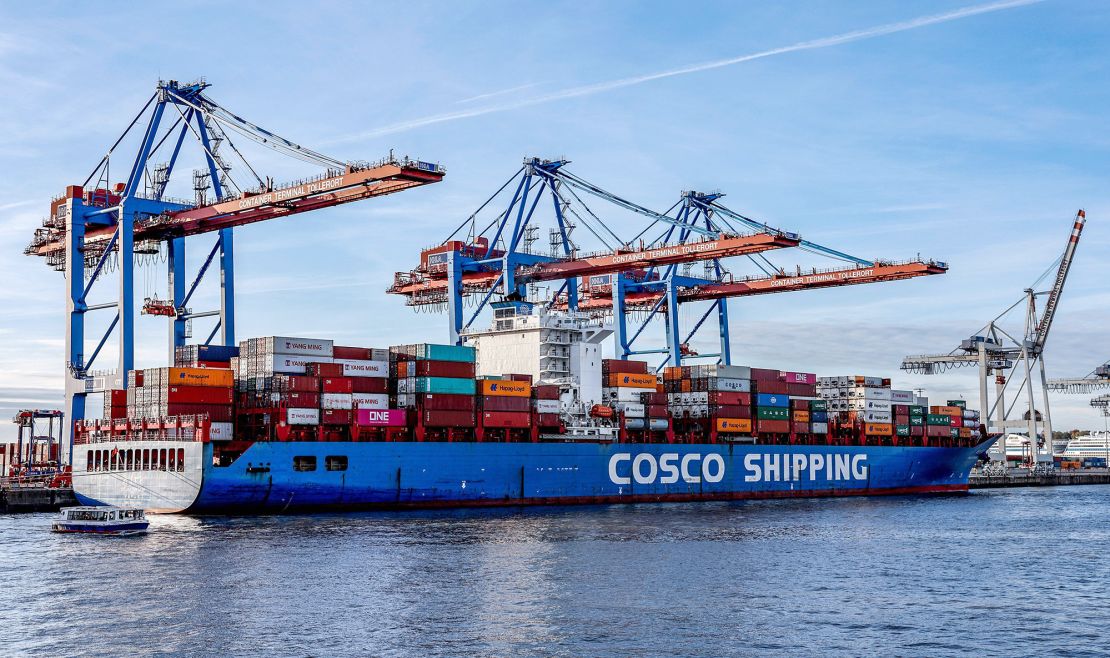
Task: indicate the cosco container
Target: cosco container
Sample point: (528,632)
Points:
(772,400)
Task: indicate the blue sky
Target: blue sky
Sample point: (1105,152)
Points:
(971,140)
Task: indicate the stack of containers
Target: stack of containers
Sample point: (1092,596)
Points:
(115,404)
(623,385)
(274,372)
(437,381)
(368,370)
(909,418)
(165,392)
(718,393)
(545,402)
(204,356)
(869,403)
(772,403)
(971,420)
(505,402)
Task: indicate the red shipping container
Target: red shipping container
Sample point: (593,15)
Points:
(335,417)
(773,426)
(199,395)
(211,364)
(901,410)
(505,403)
(356,353)
(509,419)
(773,386)
(656,410)
(455,369)
(520,378)
(801,428)
(447,418)
(900,419)
(800,405)
(118,397)
(216,413)
(728,411)
(546,392)
(298,399)
(957,421)
(938,430)
(369,385)
(610,366)
(762,375)
(324,369)
(653,398)
(139,378)
(917,430)
(547,420)
(730,397)
(336,384)
(445,402)
(296,383)
(804,390)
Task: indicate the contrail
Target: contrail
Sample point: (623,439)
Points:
(482,97)
(596,88)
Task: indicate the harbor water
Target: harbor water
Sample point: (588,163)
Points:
(1005,572)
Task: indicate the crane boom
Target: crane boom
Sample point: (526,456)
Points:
(1045,324)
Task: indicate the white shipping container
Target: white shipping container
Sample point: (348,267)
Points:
(547,406)
(632,409)
(221,431)
(302,346)
(622,394)
(296,416)
(878,417)
(901,397)
(358,368)
(406,400)
(733,385)
(820,428)
(335,401)
(406,385)
(290,364)
(870,393)
(370,400)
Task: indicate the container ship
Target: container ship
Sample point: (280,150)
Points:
(526,412)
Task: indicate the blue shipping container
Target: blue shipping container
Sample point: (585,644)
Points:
(772,400)
(217,352)
(819,416)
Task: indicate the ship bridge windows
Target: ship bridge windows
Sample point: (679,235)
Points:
(304,463)
(335,462)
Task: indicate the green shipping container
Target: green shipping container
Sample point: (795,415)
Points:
(902,430)
(917,410)
(772,413)
(938,419)
(917,420)
(818,405)
(955,432)
(958,403)
(447,385)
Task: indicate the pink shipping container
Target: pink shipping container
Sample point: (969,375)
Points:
(380,417)
(798,377)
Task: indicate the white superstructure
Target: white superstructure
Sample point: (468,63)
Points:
(1094,444)
(554,347)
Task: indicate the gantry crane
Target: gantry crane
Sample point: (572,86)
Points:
(1102,402)
(628,275)
(999,354)
(108,225)
(1097,379)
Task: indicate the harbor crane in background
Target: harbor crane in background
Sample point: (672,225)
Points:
(1001,355)
(1096,380)
(104,225)
(649,271)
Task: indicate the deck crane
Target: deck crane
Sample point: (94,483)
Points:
(999,354)
(101,224)
(647,272)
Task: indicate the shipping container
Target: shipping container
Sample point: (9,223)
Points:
(772,413)
(369,401)
(546,392)
(199,395)
(771,386)
(432,418)
(546,406)
(360,353)
(362,368)
(632,380)
(433,352)
(335,416)
(456,369)
(772,400)
(610,367)
(505,388)
(509,419)
(734,425)
(336,401)
(938,419)
(654,424)
(800,416)
(798,377)
(369,385)
(445,402)
(767,426)
(296,416)
(199,377)
(547,420)
(294,346)
(221,431)
(336,385)
(501,403)
(819,428)
(878,429)
(381,417)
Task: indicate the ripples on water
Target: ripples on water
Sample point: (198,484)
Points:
(1018,572)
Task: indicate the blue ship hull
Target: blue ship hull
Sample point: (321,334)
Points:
(352,475)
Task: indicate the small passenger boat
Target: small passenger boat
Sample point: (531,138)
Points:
(117,521)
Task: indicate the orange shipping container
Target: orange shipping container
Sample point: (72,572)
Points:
(686,385)
(801,416)
(402,369)
(880,429)
(632,380)
(734,425)
(201,377)
(506,388)
(947,411)
(965,432)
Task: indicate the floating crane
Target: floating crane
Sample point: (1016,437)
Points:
(102,224)
(999,354)
(646,272)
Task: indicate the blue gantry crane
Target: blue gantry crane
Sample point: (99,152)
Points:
(109,221)
(648,273)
